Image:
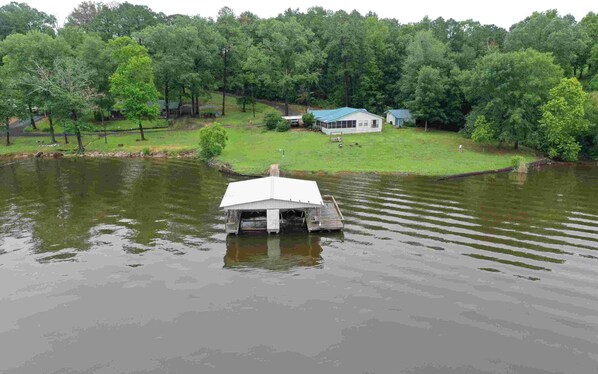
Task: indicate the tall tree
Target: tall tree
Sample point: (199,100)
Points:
(163,42)
(133,87)
(69,85)
(10,105)
(123,19)
(84,14)
(549,32)
(23,55)
(430,93)
(287,57)
(21,18)
(563,120)
(509,89)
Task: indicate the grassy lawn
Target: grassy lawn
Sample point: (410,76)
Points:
(159,141)
(251,149)
(406,150)
(43,126)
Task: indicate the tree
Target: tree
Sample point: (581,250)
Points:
(430,92)
(133,87)
(10,106)
(212,140)
(272,118)
(21,18)
(287,57)
(563,121)
(430,55)
(23,55)
(549,32)
(84,14)
(482,131)
(163,42)
(122,19)
(309,119)
(70,89)
(509,89)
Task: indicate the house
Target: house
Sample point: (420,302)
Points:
(347,121)
(398,117)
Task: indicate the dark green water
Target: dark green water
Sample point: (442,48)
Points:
(121,266)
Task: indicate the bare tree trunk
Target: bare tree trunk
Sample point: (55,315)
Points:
(347,82)
(7,131)
(252,102)
(78,133)
(51,122)
(166,101)
(244,100)
(31,117)
(141,131)
(516,146)
(104,126)
(66,138)
(192,103)
(224,83)
(426,126)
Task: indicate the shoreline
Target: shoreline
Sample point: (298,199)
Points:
(226,168)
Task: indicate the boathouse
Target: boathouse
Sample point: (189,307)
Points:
(274,203)
(347,121)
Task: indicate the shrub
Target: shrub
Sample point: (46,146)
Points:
(309,119)
(283,126)
(271,119)
(518,163)
(146,151)
(212,140)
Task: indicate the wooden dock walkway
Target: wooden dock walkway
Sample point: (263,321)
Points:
(328,218)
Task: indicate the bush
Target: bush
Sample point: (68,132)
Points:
(518,163)
(272,118)
(212,140)
(283,126)
(309,119)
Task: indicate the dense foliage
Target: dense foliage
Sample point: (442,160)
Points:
(492,84)
(212,140)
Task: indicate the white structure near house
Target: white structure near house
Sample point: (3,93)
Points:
(398,117)
(347,121)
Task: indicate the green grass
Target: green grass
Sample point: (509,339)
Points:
(43,126)
(156,142)
(251,151)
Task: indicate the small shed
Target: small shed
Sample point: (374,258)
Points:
(347,120)
(261,204)
(398,117)
(173,107)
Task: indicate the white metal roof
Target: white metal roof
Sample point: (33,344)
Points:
(272,193)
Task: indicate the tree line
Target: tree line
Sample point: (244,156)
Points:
(524,86)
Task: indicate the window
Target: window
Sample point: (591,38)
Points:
(374,123)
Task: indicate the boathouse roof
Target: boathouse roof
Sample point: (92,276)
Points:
(272,193)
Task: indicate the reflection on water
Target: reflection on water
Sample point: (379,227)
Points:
(273,252)
(495,273)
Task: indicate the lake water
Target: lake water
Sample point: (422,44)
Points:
(122,266)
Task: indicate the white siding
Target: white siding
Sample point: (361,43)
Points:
(390,118)
(364,118)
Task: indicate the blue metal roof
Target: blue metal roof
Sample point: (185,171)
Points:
(401,114)
(331,115)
